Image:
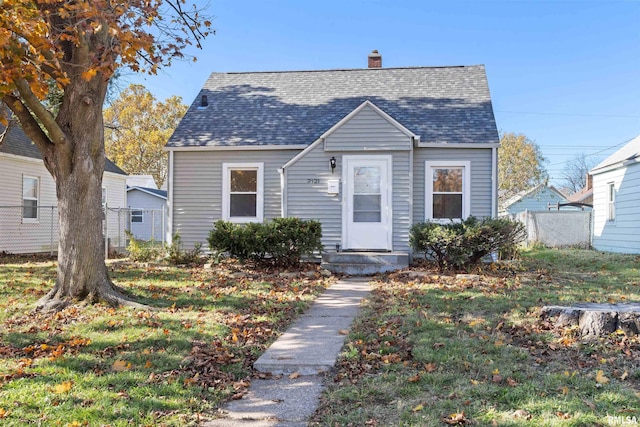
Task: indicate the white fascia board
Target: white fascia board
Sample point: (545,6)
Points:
(238,148)
(458,145)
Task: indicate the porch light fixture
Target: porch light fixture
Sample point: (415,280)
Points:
(332,162)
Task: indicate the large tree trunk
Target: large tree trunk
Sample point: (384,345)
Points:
(77,166)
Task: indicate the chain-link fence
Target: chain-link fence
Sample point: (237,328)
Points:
(29,229)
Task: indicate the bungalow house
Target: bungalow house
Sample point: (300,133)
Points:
(367,152)
(28,214)
(540,198)
(616,201)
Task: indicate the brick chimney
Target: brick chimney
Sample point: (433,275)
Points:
(589,181)
(375,59)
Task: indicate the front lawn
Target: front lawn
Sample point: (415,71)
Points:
(437,350)
(99,366)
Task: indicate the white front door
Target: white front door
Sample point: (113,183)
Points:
(366,207)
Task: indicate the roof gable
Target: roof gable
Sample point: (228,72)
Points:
(629,152)
(437,104)
(532,192)
(162,194)
(361,108)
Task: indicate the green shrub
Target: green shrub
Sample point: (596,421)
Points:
(176,255)
(281,241)
(141,251)
(463,244)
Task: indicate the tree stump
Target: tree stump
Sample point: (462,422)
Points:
(595,320)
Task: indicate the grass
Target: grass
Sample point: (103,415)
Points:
(98,366)
(434,350)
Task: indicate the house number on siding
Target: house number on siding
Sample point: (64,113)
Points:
(313,180)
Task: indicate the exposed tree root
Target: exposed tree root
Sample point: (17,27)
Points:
(56,300)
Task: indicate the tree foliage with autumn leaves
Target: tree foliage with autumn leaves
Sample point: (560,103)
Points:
(520,165)
(137,127)
(75,46)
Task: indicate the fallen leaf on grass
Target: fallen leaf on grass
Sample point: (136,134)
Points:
(414,379)
(418,408)
(600,378)
(589,404)
(430,367)
(624,376)
(511,382)
(121,365)
(4,413)
(63,388)
(563,415)
(521,413)
(457,419)
(343,332)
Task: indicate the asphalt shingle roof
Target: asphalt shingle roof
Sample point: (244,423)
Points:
(153,191)
(440,104)
(18,143)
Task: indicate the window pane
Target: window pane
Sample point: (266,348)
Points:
(244,181)
(30,209)
(136,216)
(29,188)
(366,180)
(366,217)
(242,205)
(447,206)
(447,180)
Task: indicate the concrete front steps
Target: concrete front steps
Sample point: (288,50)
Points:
(364,263)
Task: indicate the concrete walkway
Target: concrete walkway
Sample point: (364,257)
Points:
(309,348)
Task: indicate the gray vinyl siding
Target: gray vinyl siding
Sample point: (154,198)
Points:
(308,200)
(367,130)
(623,234)
(197,188)
(481,182)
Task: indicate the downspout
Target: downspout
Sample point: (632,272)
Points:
(169,229)
(283,193)
(494,182)
(411,195)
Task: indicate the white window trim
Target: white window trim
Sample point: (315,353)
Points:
(611,202)
(132,210)
(105,196)
(37,199)
(466,188)
(226,181)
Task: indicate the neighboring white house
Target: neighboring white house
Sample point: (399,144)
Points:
(616,201)
(536,199)
(28,213)
(147,213)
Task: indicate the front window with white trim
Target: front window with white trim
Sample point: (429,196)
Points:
(242,192)
(30,193)
(448,191)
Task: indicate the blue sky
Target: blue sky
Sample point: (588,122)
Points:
(564,73)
